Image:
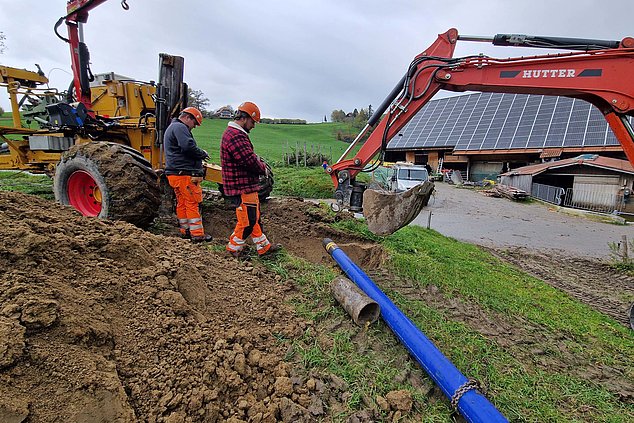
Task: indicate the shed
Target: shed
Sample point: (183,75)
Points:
(588,181)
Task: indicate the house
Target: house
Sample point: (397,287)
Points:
(225,112)
(588,181)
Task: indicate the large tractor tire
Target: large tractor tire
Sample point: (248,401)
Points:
(108,180)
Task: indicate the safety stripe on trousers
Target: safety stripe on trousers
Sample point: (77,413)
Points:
(235,243)
(261,242)
(195,223)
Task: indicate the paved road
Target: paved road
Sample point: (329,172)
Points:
(467,215)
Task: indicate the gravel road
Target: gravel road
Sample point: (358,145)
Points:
(467,215)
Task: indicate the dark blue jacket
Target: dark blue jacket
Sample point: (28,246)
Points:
(182,155)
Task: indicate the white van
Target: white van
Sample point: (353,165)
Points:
(406,176)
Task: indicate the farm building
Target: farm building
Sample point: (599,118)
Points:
(588,182)
(486,134)
(225,112)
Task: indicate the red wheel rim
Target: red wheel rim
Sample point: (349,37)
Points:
(84,193)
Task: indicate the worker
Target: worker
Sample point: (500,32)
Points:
(185,172)
(241,170)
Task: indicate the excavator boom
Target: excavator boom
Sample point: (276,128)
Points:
(599,73)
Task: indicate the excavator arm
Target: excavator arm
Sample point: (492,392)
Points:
(600,73)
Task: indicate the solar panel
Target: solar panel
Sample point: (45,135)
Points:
(543,119)
(485,121)
(559,123)
(512,120)
(497,122)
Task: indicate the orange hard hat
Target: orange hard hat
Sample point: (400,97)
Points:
(251,109)
(195,113)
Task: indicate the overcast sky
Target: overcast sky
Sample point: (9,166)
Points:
(294,58)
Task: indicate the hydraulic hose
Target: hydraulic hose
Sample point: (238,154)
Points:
(474,406)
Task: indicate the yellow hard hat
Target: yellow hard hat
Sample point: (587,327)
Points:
(251,109)
(195,113)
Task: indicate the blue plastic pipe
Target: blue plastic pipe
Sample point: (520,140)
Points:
(472,405)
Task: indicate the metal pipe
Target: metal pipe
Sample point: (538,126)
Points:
(472,405)
(359,306)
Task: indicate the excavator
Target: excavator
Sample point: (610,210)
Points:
(597,71)
(102,142)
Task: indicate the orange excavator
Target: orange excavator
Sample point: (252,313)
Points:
(597,71)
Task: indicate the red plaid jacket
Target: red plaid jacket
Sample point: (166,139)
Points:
(241,168)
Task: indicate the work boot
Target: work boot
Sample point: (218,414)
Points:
(186,235)
(202,238)
(240,255)
(272,250)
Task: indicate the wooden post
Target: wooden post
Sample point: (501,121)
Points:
(624,253)
(304,153)
(288,154)
(429,220)
(296,153)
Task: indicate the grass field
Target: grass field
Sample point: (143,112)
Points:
(272,141)
(542,386)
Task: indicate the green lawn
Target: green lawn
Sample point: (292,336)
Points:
(539,370)
(271,141)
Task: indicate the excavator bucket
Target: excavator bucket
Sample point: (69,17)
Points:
(386,212)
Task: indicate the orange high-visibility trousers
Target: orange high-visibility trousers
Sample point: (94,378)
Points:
(188,195)
(248,214)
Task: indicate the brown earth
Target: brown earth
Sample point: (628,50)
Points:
(103,322)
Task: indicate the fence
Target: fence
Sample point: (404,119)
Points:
(594,200)
(306,155)
(548,193)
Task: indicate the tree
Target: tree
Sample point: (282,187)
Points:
(355,113)
(361,119)
(337,116)
(197,99)
(325,120)
(370,111)
(2,44)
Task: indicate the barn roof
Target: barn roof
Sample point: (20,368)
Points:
(503,121)
(592,160)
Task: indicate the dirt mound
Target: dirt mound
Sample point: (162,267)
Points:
(101,322)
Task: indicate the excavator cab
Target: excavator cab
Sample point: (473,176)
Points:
(597,71)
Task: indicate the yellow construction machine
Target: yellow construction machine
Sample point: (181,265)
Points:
(102,139)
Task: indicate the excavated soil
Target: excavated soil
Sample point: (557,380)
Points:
(103,322)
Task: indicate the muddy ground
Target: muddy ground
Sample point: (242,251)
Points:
(101,321)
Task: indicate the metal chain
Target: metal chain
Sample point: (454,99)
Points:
(124,4)
(463,389)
